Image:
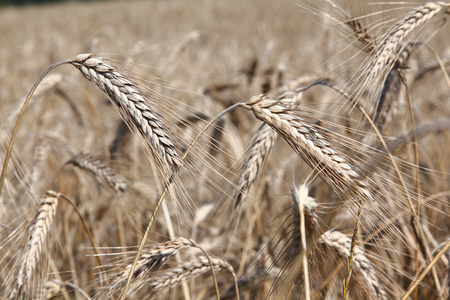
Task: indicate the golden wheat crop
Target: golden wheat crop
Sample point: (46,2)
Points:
(225,150)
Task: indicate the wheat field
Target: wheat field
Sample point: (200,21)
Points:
(225,150)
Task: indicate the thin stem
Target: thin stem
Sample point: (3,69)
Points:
(416,148)
(166,188)
(19,119)
(352,250)
(86,228)
(304,251)
(427,269)
(211,266)
(418,230)
(74,287)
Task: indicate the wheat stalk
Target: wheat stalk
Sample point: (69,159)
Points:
(341,243)
(304,221)
(301,202)
(132,106)
(38,234)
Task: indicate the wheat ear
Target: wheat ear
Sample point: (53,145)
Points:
(262,144)
(341,243)
(391,88)
(260,148)
(100,170)
(386,54)
(360,32)
(125,96)
(309,143)
(188,271)
(132,106)
(38,234)
(149,261)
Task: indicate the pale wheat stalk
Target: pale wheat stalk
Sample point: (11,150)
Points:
(132,105)
(303,235)
(304,222)
(38,233)
(306,205)
(362,265)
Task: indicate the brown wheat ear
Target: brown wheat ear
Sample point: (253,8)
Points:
(391,88)
(360,32)
(38,233)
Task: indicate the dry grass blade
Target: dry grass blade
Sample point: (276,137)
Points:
(132,106)
(427,269)
(100,170)
(38,233)
(362,265)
